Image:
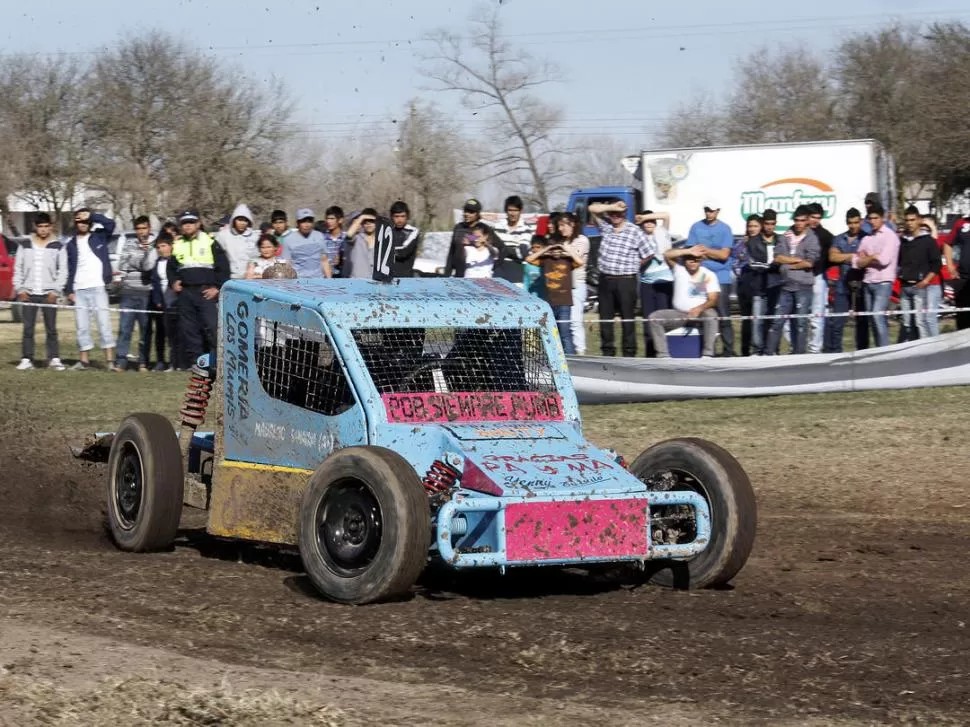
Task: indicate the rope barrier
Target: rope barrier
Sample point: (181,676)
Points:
(589,321)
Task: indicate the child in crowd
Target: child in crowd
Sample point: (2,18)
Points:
(480,255)
(557,261)
(164,300)
(268,251)
(532,274)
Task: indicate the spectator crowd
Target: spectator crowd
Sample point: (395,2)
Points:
(170,280)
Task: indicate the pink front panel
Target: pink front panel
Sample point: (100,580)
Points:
(473,407)
(575,530)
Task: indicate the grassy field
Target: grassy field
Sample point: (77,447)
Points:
(809,431)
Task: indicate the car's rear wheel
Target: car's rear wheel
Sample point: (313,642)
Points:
(365,526)
(707,469)
(145,484)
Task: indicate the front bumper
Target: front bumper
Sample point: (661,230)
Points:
(564,529)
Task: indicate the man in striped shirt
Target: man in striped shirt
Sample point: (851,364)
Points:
(624,252)
(516,237)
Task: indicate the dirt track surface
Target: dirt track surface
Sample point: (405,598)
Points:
(854,609)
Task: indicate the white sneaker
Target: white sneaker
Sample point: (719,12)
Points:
(56,364)
(25,364)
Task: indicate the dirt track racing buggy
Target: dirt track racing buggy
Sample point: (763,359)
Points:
(380,426)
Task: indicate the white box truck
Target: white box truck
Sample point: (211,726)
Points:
(746,180)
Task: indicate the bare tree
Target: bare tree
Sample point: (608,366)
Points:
(174,127)
(695,122)
(434,163)
(500,81)
(879,76)
(352,172)
(44,102)
(595,161)
(781,96)
(940,101)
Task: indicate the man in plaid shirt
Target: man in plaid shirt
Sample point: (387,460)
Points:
(624,251)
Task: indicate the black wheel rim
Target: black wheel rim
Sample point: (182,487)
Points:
(349,527)
(674,524)
(129,486)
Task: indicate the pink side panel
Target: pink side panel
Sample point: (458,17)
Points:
(575,530)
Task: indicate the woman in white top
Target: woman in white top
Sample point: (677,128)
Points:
(568,233)
(480,255)
(656,279)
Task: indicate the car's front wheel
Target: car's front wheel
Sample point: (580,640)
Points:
(145,484)
(707,469)
(365,526)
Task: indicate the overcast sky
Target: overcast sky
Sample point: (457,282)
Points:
(626,62)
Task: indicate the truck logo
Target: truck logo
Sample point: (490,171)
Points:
(785,195)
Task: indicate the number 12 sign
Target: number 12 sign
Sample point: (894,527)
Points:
(383,250)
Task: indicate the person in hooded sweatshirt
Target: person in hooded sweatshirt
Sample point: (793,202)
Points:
(240,240)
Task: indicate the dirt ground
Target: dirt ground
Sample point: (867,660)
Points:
(852,610)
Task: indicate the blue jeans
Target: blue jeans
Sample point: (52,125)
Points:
(847,299)
(126,327)
(820,300)
(912,302)
(877,301)
(797,302)
(563,315)
(934,299)
(752,332)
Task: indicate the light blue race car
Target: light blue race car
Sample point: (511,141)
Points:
(381,426)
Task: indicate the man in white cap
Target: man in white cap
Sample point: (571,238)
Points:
(715,239)
(305,248)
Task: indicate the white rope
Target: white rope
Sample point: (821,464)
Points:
(69,306)
(591,321)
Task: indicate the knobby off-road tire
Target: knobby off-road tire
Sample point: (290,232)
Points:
(145,484)
(365,526)
(718,476)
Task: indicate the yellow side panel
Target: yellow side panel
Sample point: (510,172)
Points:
(256,502)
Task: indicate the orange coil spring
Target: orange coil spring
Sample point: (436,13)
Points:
(196,398)
(440,477)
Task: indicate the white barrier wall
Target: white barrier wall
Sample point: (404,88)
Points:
(940,361)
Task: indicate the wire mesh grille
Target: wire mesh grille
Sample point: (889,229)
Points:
(297,365)
(442,360)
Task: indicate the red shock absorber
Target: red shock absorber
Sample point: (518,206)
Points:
(440,478)
(196,398)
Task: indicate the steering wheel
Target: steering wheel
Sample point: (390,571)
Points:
(409,378)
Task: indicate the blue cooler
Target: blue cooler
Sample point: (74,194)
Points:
(684,342)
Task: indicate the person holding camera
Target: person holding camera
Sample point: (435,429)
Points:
(558,260)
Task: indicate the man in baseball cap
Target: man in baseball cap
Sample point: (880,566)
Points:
(471,216)
(197,270)
(305,248)
(717,242)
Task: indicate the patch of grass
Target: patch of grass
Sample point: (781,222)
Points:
(144,702)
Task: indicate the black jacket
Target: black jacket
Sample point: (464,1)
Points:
(824,243)
(918,257)
(753,276)
(406,242)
